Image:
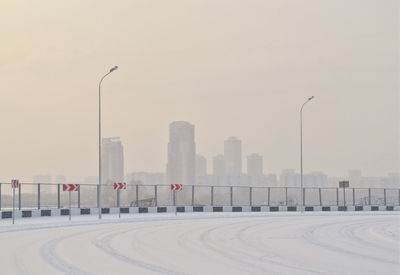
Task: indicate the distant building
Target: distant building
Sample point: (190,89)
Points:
(315,179)
(233,156)
(145,178)
(44,188)
(254,165)
(201,169)
(289,178)
(43,179)
(60,179)
(112,159)
(218,171)
(181,166)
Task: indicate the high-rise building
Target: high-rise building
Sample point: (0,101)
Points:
(201,169)
(218,174)
(218,165)
(233,156)
(255,169)
(181,166)
(255,165)
(112,159)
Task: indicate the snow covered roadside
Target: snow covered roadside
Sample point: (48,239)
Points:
(199,243)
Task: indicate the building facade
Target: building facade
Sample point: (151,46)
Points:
(181,166)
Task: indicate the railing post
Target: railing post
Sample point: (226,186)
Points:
(58,196)
(174,197)
(212,195)
(269,195)
(155,195)
(19,196)
(320,196)
(354,196)
(337,196)
(137,195)
(38,196)
(251,196)
(0,196)
(344,196)
(369,196)
(304,198)
(399,196)
(98,195)
(192,195)
(286,196)
(79,196)
(118,199)
(384,196)
(231,195)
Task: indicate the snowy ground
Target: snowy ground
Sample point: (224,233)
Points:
(206,243)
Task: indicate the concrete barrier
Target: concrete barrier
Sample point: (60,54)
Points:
(7,214)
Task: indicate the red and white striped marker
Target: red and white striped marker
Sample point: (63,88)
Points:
(70,187)
(177,187)
(14,183)
(119,185)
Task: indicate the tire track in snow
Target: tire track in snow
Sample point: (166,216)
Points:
(311,235)
(105,244)
(48,252)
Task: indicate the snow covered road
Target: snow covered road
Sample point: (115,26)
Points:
(212,243)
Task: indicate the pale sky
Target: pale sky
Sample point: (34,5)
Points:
(232,68)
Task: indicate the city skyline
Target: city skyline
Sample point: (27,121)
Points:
(244,74)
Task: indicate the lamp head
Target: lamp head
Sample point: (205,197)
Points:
(310,98)
(113,68)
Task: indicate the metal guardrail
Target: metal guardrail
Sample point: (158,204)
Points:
(49,195)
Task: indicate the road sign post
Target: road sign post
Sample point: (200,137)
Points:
(174,188)
(344,184)
(14,184)
(70,188)
(119,186)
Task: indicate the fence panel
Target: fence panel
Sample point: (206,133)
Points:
(88,195)
(311,196)
(146,195)
(202,195)
(29,198)
(184,197)
(293,196)
(260,196)
(241,195)
(392,197)
(377,196)
(222,196)
(64,198)
(328,196)
(277,196)
(361,196)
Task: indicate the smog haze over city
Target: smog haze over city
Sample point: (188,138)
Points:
(230,68)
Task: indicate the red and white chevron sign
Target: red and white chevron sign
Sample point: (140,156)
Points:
(177,187)
(14,183)
(119,185)
(70,187)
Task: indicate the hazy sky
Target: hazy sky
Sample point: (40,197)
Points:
(232,68)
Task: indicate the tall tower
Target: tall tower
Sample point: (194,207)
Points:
(255,165)
(181,166)
(112,168)
(112,160)
(233,156)
(218,170)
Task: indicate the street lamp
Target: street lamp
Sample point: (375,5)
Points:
(301,151)
(99,193)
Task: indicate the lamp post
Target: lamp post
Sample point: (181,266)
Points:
(99,193)
(301,151)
